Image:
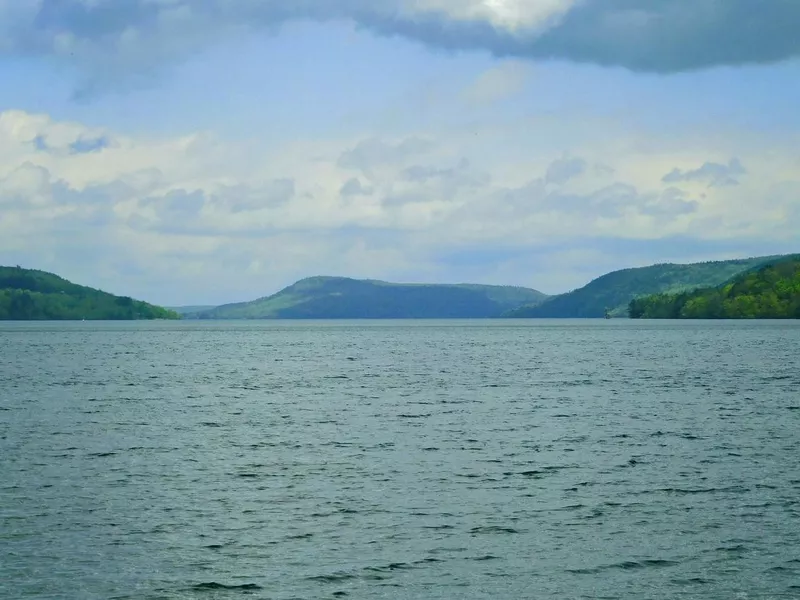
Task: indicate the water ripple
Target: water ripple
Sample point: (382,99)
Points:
(435,460)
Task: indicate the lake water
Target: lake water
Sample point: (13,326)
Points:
(441,460)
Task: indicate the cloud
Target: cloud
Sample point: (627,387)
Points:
(125,40)
(162,217)
(375,153)
(354,187)
(497,83)
(711,173)
(672,202)
(562,170)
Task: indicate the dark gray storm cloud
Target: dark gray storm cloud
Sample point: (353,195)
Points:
(118,38)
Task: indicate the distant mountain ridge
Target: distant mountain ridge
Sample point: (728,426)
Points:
(29,294)
(614,291)
(324,297)
(189,310)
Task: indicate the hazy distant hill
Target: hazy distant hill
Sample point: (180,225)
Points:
(344,298)
(190,310)
(27,294)
(769,292)
(615,290)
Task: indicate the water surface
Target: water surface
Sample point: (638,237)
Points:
(473,459)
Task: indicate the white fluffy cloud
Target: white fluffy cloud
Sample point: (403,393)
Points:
(195,218)
(505,14)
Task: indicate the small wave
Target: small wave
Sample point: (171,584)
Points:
(737,548)
(395,566)
(535,473)
(782,569)
(689,491)
(570,507)
(627,565)
(333,577)
(213,585)
(101,454)
(532,474)
(429,560)
(492,529)
(691,581)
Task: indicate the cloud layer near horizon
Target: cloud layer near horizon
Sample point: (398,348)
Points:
(196,218)
(112,40)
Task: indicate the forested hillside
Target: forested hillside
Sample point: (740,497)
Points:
(27,294)
(344,298)
(771,292)
(614,291)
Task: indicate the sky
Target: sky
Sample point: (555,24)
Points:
(213,151)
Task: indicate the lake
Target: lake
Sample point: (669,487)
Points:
(441,459)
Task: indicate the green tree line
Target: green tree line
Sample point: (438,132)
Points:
(37,295)
(771,292)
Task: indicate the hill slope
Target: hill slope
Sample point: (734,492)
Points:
(27,294)
(615,290)
(770,292)
(190,310)
(344,298)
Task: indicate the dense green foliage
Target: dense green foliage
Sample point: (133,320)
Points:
(343,298)
(771,292)
(27,294)
(614,291)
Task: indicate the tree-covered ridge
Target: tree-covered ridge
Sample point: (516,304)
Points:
(344,298)
(27,294)
(771,292)
(614,291)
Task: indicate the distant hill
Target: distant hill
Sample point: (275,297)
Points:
(614,291)
(769,292)
(344,298)
(190,310)
(27,294)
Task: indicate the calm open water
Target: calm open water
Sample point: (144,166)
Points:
(441,460)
